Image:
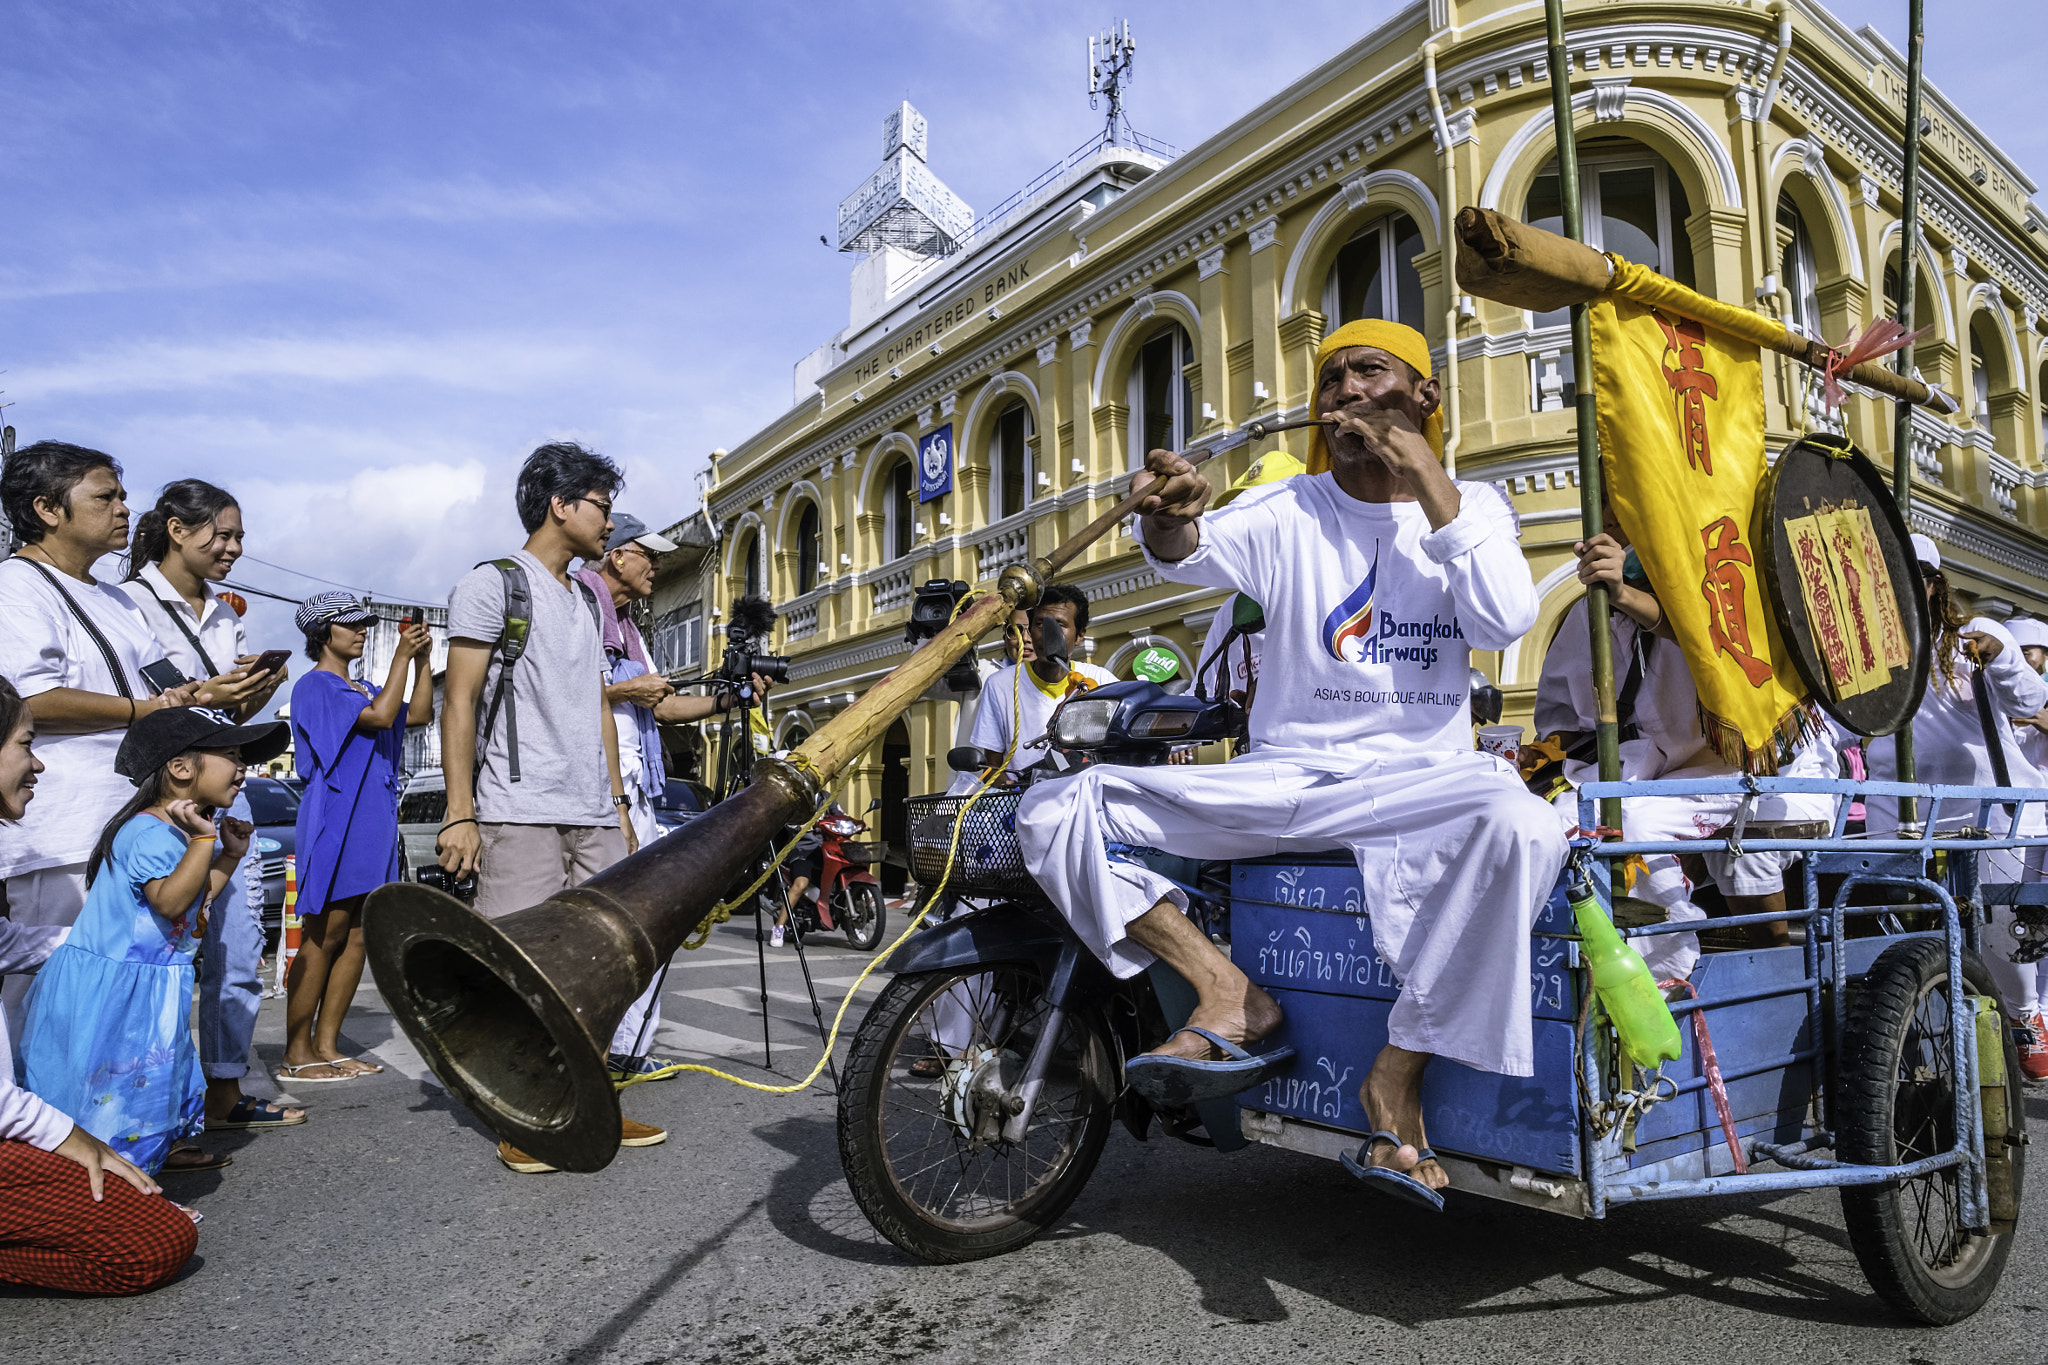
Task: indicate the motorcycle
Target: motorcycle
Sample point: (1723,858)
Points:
(845,896)
(999,1045)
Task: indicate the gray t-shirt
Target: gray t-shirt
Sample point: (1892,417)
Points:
(557,686)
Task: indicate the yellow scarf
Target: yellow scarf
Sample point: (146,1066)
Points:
(1403,343)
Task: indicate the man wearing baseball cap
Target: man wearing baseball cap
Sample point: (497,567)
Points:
(641,701)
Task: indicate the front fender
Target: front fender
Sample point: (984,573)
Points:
(1001,933)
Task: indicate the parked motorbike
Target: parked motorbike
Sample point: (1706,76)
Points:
(980,1087)
(845,895)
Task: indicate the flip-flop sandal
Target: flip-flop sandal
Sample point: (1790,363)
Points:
(1177,1082)
(249,1112)
(362,1067)
(214,1161)
(288,1075)
(1400,1184)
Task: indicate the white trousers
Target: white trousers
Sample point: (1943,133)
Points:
(635,1037)
(49,895)
(1456,855)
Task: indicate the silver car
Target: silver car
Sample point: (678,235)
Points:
(420,812)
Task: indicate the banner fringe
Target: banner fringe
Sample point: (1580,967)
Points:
(1792,732)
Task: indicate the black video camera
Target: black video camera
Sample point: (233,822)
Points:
(753,620)
(930,613)
(442,880)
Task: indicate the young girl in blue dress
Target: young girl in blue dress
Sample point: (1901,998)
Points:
(109,1037)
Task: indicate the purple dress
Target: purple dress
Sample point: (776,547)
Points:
(348,817)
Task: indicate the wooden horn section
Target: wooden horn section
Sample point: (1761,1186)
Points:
(516,1014)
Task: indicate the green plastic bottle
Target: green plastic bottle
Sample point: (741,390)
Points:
(1623,982)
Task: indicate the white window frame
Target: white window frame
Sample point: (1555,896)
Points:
(1134,392)
(893,511)
(1390,263)
(1027,453)
(1801,275)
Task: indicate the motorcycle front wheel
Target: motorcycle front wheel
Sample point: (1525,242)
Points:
(921,1108)
(861,911)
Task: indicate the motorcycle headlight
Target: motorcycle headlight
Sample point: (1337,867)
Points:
(1162,724)
(1081,724)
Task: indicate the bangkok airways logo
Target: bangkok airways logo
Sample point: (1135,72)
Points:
(1348,629)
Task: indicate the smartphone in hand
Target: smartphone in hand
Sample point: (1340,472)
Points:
(271,660)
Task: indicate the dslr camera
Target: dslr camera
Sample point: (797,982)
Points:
(441,879)
(753,621)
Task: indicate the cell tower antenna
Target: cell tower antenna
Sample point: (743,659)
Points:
(1110,57)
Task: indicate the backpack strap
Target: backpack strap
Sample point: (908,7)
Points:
(511,644)
(113,661)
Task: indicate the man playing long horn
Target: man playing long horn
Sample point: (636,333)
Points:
(1379,574)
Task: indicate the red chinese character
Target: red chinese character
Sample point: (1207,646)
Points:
(1693,385)
(1852,578)
(1726,591)
(1824,619)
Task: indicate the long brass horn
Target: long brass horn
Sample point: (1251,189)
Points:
(515,1014)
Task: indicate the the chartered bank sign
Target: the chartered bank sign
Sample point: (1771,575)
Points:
(914,337)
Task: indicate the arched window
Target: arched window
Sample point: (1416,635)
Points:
(1374,276)
(1161,397)
(1800,278)
(1629,202)
(750,566)
(1983,340)
(794,735)
(807,548)
(899,509)
(1009,462)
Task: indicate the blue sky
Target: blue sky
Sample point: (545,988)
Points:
(353,260)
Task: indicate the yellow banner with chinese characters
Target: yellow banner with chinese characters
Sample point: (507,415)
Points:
(1681,420)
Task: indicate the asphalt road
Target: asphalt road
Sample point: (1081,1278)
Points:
(386,1230)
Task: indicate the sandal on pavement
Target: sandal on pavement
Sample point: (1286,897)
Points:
(287,1074)
(358,1066)
(248,1112)
(196,1159)
(1176,1082)
(1400,1184)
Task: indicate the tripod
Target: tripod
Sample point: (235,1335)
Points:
(737,759)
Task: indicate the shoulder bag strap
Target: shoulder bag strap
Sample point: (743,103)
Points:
(511,644)
(120,675)
(212,669)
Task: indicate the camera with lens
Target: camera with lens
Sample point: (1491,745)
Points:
(753,622)
(442,880)
(932,612)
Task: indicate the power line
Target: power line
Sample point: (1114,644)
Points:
(273,596)
(367,592)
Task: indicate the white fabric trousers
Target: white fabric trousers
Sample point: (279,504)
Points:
(635,1037)
(1456,855)
(49,895)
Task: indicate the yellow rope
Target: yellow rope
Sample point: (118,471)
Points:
(988,780)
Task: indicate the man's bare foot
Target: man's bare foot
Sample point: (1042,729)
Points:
(1392,1098)
(1244,1019)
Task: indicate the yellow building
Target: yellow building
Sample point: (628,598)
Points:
(1134,299)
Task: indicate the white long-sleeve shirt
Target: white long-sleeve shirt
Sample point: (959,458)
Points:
(23,1116)
(1948,738)
(1371,616)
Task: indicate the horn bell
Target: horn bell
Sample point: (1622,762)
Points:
(516,1014)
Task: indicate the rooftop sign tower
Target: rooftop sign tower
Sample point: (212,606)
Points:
(903,205)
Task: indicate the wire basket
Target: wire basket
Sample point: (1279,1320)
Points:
(991,863)
(864,852)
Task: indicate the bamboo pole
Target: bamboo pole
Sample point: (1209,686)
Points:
(1607,729)
(1902,429)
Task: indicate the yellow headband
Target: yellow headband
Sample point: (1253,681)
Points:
(1403,343)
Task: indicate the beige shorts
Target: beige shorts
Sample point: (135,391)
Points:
(522,865)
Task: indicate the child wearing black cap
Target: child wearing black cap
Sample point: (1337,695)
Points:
(107,1039)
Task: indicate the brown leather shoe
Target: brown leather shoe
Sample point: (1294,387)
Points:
(519,1161)
(633,1134)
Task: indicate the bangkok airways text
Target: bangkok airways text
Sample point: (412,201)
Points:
(1417,641)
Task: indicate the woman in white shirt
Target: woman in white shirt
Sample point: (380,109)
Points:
(76,649)
(183,546)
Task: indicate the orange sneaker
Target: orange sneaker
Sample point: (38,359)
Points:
(633,1134)
(2031,1034)
(516,1160)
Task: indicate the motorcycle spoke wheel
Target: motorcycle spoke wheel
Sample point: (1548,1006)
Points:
(924,1154)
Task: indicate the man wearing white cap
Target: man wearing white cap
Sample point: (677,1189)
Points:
(1949,748)
(642,701)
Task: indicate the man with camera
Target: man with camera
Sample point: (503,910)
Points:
(535,799)
(641,702)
